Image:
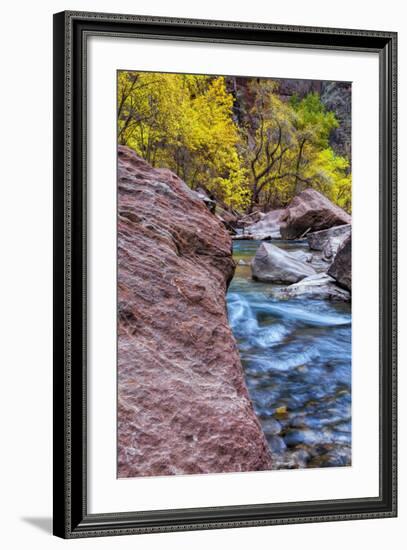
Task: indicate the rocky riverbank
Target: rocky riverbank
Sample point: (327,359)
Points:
(290,313)
(295,348)
(324,272)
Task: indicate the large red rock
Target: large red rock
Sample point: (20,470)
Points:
(311,211)
(183,406)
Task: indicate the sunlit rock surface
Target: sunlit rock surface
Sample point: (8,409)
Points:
(183,406)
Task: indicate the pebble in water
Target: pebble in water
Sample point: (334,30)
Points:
(271,427)
(276,443)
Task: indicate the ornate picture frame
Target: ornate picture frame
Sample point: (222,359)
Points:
(71,516)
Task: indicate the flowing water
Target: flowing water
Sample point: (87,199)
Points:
(297,360)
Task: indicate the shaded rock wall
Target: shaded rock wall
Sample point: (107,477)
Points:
(183,406)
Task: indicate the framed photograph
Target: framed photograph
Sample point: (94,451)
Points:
(224,274)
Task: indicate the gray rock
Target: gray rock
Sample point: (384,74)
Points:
(341,269)
(268,227)
(338,456)
(329,240)
(301,255)
(276,444)
(300,437)
(271,426)
(243,237)
(310,438)
(319,262)
(301,458)
(274,265)
(319,286)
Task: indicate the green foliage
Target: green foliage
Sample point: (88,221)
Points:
(239,141)
(329,172)
(319,166)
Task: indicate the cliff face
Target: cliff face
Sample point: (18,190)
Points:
(335,95)
(183,406)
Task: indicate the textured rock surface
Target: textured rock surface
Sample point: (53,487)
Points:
(300,255)
(209,203)
(337,97)
(311,211)
(274,265)
(341,269)
(329,240)
(318,287)
(183,407)
(268,227)
(228,219)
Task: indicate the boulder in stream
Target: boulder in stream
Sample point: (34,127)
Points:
(311,211)
(341,269)
(268,227)
(318,287)
(183,404)
(301,255)
(329,240)
(273,265)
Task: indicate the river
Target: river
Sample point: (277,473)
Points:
(296,355)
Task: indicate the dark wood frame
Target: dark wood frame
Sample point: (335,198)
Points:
(71,518)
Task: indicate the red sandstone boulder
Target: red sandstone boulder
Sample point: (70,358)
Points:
(183,406)
(341,269)
(311,211)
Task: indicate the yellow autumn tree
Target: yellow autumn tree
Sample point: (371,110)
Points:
(286,148)
(185,123)
(248,148)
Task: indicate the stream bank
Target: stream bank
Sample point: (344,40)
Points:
(296,354)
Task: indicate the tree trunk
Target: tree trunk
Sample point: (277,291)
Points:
(298,182)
